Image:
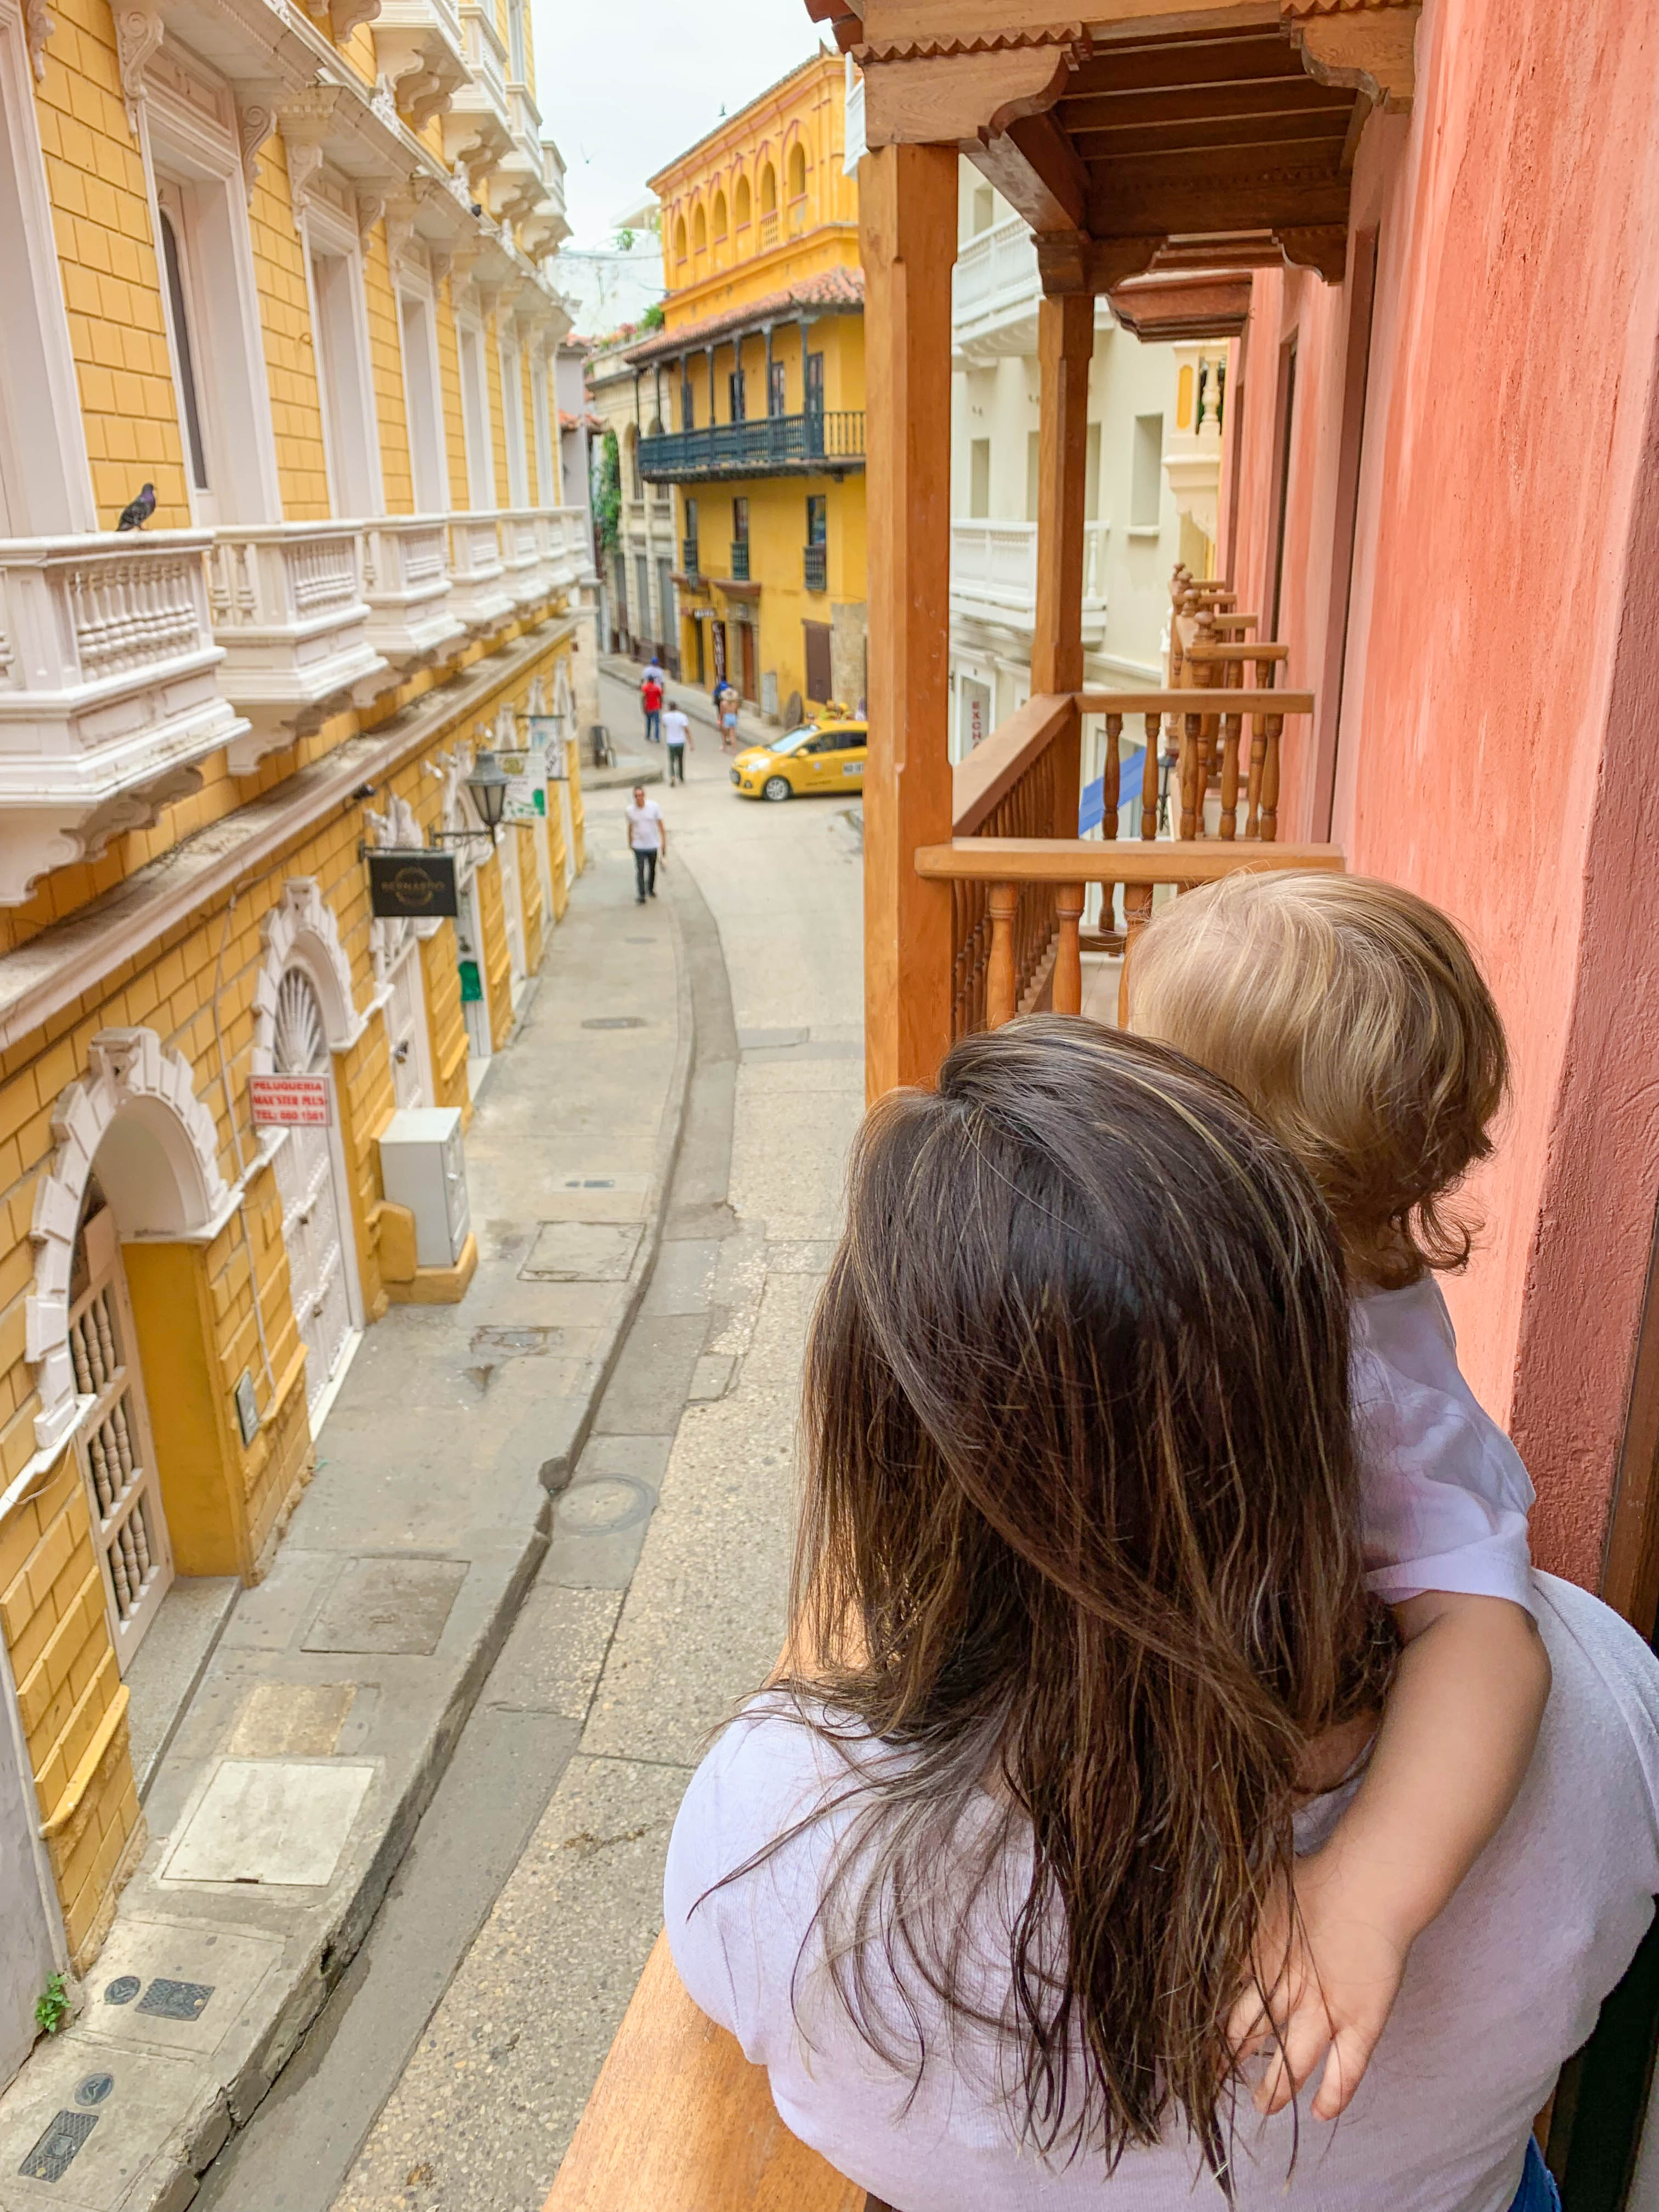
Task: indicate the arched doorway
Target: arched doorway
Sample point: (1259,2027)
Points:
(313,1216)
(306,1013)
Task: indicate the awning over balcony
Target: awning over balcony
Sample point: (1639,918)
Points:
(1126,144)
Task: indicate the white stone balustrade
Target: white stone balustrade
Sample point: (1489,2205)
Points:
(564,546)
(406,585)
(477,589)
(993,574)
(288,609)
(108,692)
(995,292)
(521,555)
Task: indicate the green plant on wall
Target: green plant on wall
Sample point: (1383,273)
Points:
(607,493)
(652,319)
(52,2006)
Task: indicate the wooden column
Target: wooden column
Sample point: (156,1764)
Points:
(1066,345)
(907,229)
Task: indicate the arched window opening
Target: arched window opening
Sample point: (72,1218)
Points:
(679,238)
(700,233)
(719,215)
(741,202)
(797,171)
(768,189)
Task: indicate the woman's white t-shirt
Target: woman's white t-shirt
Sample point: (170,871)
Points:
(1498,1991)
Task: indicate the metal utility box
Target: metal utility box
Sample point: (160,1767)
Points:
(423,1168)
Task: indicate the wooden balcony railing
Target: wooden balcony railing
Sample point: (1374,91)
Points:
(1014,936)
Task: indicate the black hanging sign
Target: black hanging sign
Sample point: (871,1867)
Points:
(411,886)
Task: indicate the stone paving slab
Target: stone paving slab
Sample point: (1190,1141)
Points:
(325,1718)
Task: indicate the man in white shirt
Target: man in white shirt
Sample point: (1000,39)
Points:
(676,734)
(647,841)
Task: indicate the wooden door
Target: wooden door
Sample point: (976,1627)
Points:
(112,1444)
(507,851)
(750,683)
(817,659)
(312,1212)
(405,1017)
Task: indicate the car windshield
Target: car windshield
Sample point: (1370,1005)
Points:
(793,742)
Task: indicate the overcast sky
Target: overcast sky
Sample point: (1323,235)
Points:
(625,85)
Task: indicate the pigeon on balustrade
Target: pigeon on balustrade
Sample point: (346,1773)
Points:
(137,512)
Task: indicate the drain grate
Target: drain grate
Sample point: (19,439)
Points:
(123,1989)
(614,1022)
(176,2000)
(57,2150)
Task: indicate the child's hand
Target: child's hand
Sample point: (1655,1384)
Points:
(1339,1973)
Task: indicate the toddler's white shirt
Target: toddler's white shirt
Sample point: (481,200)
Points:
(1445,1495)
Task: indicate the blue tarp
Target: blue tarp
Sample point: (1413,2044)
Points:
(1092,807)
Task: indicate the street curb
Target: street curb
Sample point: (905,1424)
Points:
(309,1981)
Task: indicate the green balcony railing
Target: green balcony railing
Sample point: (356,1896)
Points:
(820,441)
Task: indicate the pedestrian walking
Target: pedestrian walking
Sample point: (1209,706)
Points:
(647,841)
(651,699)
(727,704)
(677,731)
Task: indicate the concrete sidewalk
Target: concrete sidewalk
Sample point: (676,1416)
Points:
(328,1713)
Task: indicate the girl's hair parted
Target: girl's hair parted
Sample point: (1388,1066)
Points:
(1080,1549)
(1353,1016)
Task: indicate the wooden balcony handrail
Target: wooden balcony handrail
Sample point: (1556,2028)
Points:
(1215,648)
(1187,702)
(678,2117)
(994,766)
(1003,864)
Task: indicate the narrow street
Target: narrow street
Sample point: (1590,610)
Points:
(448,2070)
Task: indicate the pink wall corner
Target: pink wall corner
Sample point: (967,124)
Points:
(1516,306)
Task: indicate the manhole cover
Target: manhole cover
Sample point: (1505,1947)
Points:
(55,2153)
(588,1182)
(94,2089)
(582,1252)
(614,1022)
(167,2000)
(123,1989)
(600,1508)
(512,1343)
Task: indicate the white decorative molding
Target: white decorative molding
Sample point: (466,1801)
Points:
(306,122)
(371,206)
(39,26)
(398,830)
(139,33)
(254,124)
(301,928)
(170,1188)
(289,613)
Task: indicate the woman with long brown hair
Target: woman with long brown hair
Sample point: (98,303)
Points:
(1082,1638)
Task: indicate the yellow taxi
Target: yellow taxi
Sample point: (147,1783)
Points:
(827,754)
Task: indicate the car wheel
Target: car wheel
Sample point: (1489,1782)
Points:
(776,787)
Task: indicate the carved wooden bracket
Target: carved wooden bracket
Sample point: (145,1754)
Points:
(254,124)
(37,26)
(305,122)
(938,91)
(1370,46)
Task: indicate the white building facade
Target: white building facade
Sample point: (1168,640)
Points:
(1150,498)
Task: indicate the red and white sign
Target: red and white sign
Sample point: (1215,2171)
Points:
(289,1102)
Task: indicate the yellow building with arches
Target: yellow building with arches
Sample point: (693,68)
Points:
(276,296)
(750,402)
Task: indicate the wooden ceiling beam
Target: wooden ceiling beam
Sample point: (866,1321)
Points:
(1171,64)
(1265,96)
(1179,308)
(1035,167)
(1163,141)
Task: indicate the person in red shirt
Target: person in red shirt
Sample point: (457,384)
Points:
(651,694)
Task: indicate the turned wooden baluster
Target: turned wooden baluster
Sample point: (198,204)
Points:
(1111,798)
(1270,778)
(1261,725)
(1231,726)
(1068,954)
(1193,772)
(1138,897)
(1003,903)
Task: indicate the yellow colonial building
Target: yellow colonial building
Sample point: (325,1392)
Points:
(750,399)
(280,271)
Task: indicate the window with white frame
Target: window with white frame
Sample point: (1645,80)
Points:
(340,324)
(548,487)
(517,469)
(422,402)
(209,294)
(45,481)
(475,420)
(516,58)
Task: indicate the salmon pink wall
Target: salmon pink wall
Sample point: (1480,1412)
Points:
(1500,707)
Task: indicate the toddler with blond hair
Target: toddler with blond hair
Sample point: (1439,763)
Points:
(1353,1018)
